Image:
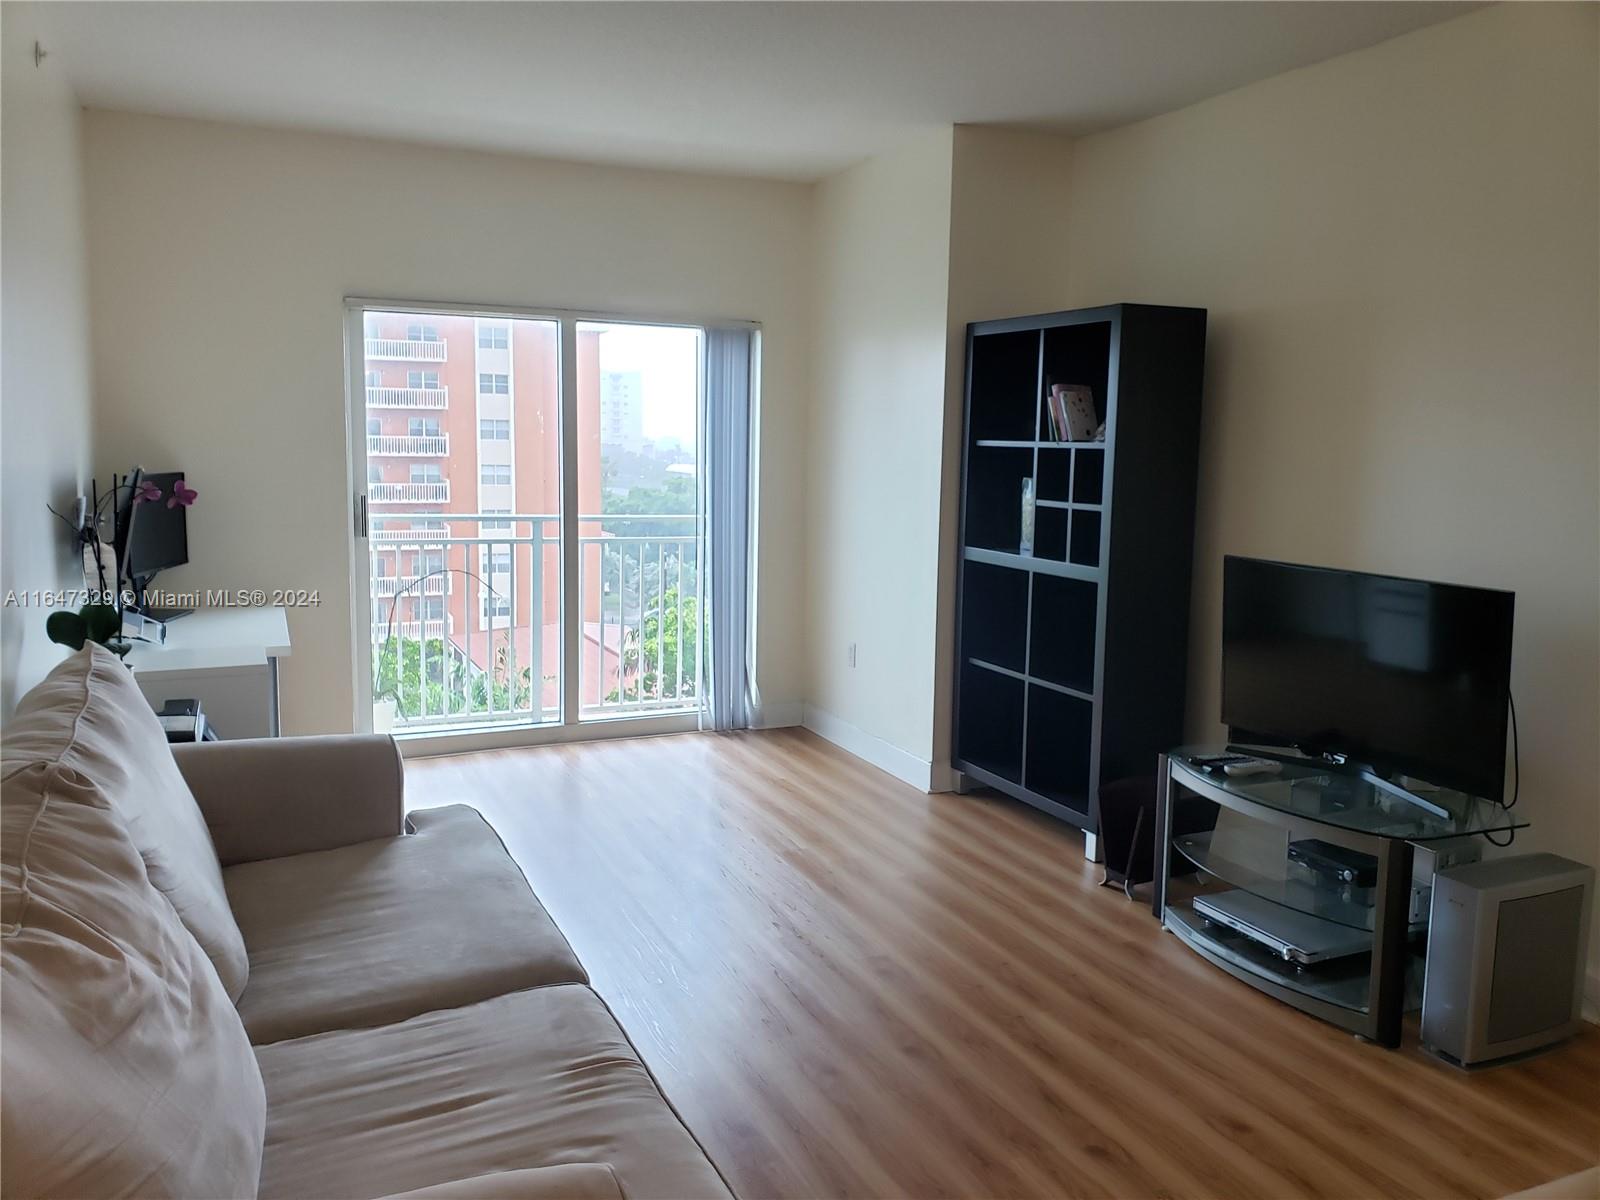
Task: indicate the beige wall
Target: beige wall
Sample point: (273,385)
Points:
(876,430)
(1008,257)
(1400,252)
(221,257)
(46,433)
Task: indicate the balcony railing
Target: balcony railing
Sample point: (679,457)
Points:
(407,397)
(645,587)
(439,583)
(412,538)
(434,627)
(404,348)
(638,605)
(397,445)
(409,493)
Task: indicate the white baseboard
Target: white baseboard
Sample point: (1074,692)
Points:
(779,715)
(902,764)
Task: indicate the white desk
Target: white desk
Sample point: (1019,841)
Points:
(226,658)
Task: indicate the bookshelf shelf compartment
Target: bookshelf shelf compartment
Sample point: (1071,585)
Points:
(997,600)
(1060,739)
(1083,543)
(993,505)
(1053,473)
(992,737)
(1069,659)
(1064,632)
(1088,476)
(1077,354)
(1004,371)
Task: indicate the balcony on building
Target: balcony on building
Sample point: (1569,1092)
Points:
(438,583)
(409,493)
(400,445)
(408,397)
(407,349)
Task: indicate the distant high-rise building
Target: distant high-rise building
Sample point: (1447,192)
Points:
(621,411)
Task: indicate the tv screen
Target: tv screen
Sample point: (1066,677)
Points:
(158,535)
(1408,677)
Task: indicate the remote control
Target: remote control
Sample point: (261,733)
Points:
(1213,763)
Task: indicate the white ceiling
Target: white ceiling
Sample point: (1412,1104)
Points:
(792,90)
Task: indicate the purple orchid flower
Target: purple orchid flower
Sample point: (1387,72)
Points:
(182,494)
(147,492)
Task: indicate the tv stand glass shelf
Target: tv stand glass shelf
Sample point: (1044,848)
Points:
(1336,928)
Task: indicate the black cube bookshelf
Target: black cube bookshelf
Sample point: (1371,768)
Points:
(1071,656)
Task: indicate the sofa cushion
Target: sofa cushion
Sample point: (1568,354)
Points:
(532,1079)
(383,930)
(572,1181)
(126,1069)
(89,715)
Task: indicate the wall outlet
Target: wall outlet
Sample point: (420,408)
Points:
(850,654)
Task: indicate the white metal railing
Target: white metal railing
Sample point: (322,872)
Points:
(409,493)
(411,351)
(434,627)
(405,445)
(648,636)
(408,397)
(494,667)
(440,584)
(639,606)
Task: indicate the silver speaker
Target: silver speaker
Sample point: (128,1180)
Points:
(1507,941)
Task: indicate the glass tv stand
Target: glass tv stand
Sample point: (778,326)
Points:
(1381,911)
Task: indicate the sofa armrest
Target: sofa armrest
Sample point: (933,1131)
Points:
(272,797)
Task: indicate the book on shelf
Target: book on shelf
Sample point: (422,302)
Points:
(1071,411)
(1077,402)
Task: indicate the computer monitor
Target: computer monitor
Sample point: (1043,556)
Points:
(157,534)
(122,492)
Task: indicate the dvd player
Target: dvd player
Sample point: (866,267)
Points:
(1293,936)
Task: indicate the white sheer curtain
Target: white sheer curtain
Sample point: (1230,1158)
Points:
(729,358)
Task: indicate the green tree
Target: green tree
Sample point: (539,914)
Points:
(676,496)
(449,685)
(650,669)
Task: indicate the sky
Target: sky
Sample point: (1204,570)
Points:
(668,361)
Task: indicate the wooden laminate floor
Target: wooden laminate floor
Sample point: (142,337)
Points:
(849,988)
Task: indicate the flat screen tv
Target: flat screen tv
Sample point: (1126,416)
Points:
(1402,676)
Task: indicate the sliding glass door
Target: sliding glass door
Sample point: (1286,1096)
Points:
(639,495)
(529,519)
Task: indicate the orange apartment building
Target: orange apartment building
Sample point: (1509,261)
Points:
(462,425)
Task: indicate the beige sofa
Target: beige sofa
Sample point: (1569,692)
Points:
(230,969)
